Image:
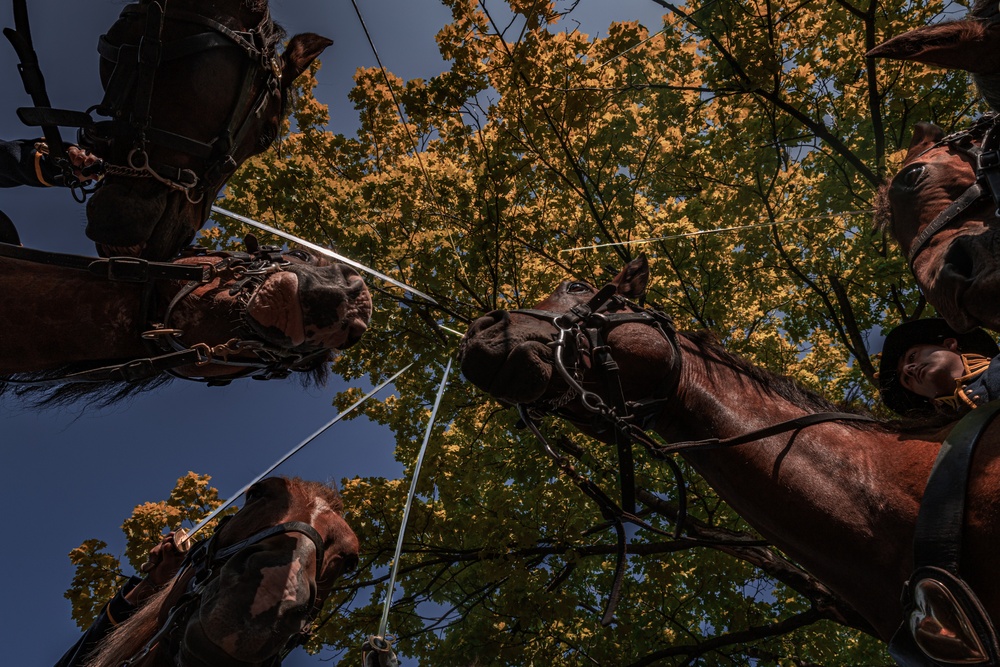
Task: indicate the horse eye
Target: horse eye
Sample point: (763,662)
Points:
(299,254)
(576,287)
(910,176)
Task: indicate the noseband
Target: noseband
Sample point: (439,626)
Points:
(986,158)
(204,562)
(128,96)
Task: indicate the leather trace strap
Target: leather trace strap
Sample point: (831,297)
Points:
(115,269)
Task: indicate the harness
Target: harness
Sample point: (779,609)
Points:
(165,344)
(582,333)
(203,562)
(986,158)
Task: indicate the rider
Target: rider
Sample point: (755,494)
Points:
(164,561)
(927,366)
(27,162)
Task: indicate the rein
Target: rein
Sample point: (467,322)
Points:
(986,158)
(167,351)
(582,332)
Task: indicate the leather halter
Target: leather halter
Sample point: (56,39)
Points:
(986,158)
(165,344)
(204,561)
(129,92)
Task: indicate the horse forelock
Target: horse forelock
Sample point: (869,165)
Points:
(882,215)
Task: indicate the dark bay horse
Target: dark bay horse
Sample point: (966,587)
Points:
(839,497)
(107,324)
(192,88)
(944,220)
(251,591)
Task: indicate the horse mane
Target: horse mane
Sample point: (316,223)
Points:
(882,216)
(769,381)
(106,394)
(129,637)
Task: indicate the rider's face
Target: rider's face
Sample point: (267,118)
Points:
(930,370)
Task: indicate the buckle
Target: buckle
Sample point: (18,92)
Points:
(122,269)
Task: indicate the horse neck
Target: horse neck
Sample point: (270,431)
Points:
(55,316)
(820,495)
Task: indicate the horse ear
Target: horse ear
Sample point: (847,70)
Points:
(967,45)
(924,135)
(299,54)
(633,279)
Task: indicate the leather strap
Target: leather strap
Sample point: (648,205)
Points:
(938,536)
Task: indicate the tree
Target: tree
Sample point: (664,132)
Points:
(757,117)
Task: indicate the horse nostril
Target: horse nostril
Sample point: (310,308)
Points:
(958,260)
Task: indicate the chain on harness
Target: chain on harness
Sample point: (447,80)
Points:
(129,92)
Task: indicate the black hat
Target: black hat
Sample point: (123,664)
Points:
(931,331)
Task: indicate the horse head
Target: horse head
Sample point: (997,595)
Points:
(943,215)
(281,310)
(249,594)
(544,357)
(211,316)
(192,89)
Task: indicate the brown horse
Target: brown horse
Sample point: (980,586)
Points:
(251,591)
(952,253)
(838,497)
(193,89)
(266,313)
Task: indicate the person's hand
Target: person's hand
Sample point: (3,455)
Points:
(86,166)
(164,560)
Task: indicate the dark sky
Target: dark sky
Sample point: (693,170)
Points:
(75,474)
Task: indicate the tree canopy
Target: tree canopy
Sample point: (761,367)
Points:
(740,146)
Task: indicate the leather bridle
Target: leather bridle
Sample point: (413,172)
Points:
(985,158)
(201,565)
(167,349)
(129,91)
(582,332)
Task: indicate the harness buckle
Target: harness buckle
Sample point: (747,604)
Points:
(126,269)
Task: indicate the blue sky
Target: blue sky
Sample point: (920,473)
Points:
(74,474)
